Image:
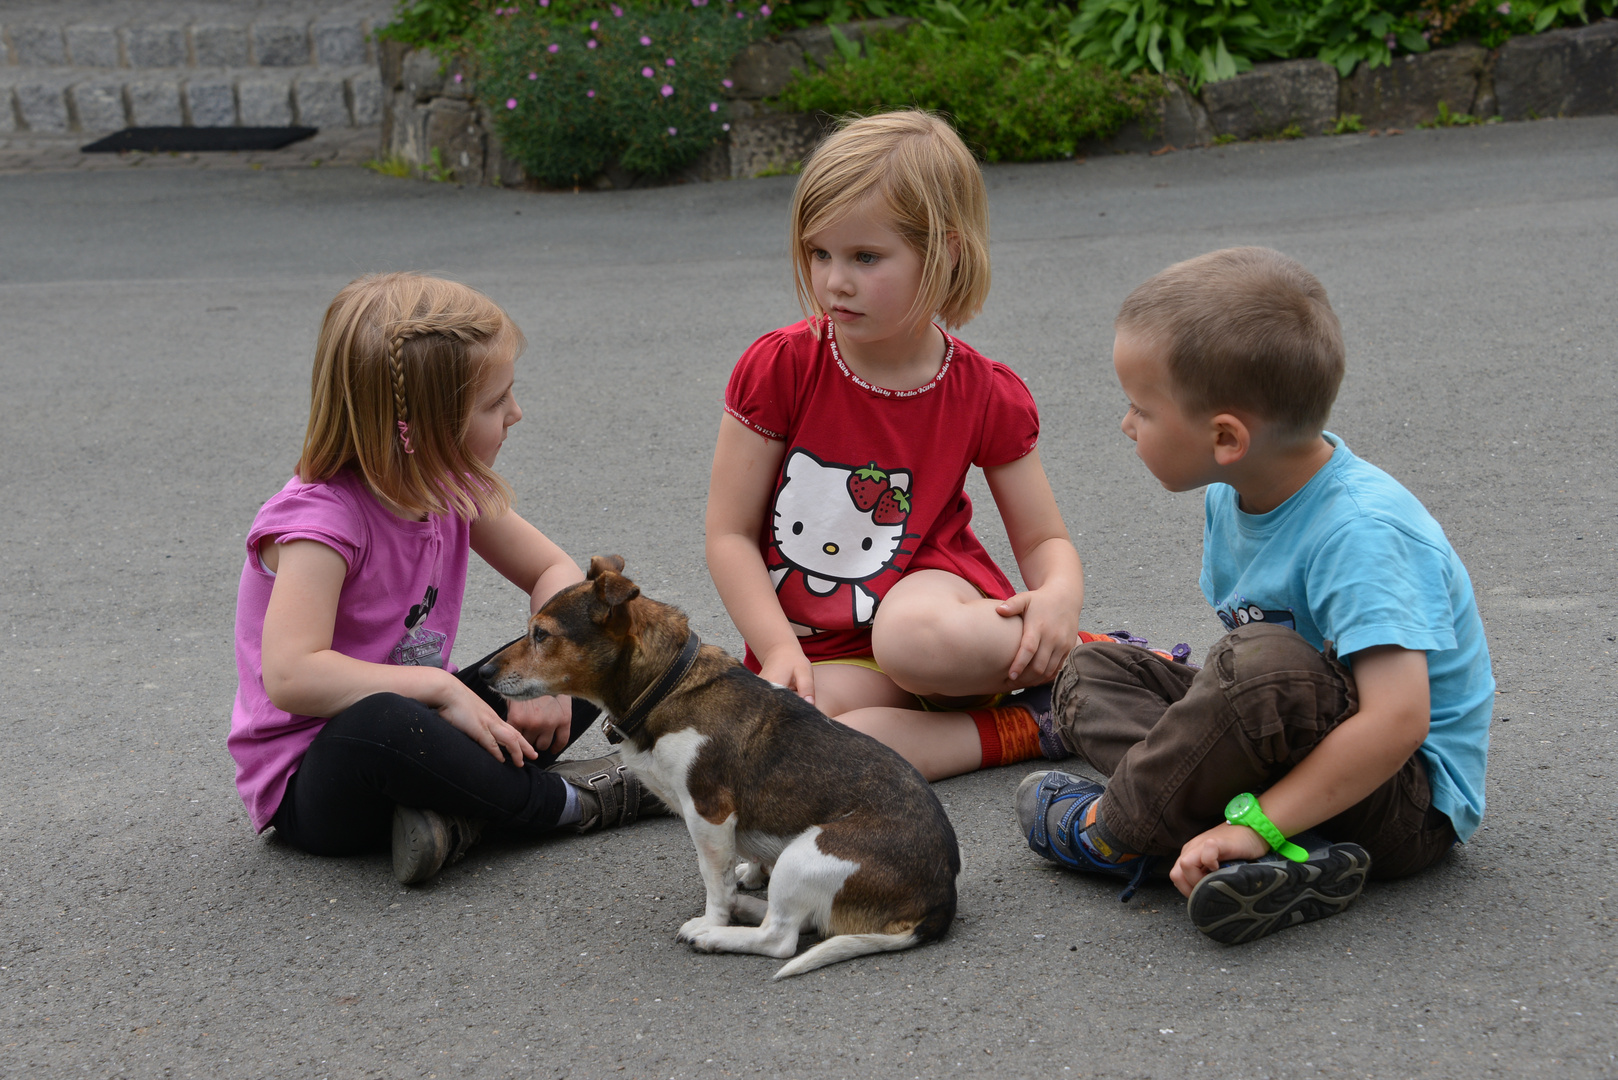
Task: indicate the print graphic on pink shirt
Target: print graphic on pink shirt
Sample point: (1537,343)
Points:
(835,526)
(420,646)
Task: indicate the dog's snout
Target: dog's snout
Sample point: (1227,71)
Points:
(488,671)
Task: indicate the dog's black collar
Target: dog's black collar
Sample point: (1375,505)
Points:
(653,695)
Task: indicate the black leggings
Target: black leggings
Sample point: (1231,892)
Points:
(388,750)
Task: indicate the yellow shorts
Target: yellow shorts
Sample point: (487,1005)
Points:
(989,701)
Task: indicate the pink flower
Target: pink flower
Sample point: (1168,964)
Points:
(617,12)
(764,10)
(511,103)
(590,44)
(544,3)
(674,131)
(532,75)
(713,106)
(1504,9)
(646,71)
(595,24)
(644,40)
(457,76)
(741,14)
(667,91)
(724,127)
(589,93)
(553,47)
(669,62)
(726,83)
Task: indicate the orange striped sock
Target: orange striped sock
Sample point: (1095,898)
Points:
(1008,735)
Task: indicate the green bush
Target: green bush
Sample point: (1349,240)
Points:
(1206,40)
(424,24)
(1010,95)
(571,90)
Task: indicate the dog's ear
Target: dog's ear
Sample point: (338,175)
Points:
(614,590)
(602,564)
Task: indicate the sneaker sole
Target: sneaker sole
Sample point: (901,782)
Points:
(1250,900)
(418,849)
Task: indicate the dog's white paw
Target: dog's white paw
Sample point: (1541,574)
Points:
(706,939)
(694,928)
(752,875)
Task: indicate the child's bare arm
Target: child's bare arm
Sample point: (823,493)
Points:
(1049,565)
(745,466)
(529,560)
(1356,758)
(304,675)
(524,556)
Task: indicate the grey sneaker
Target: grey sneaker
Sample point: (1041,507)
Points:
(425,841)
(1243,901)
(609,793)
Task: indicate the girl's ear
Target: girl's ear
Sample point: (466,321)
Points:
(1232,438)
(953,242)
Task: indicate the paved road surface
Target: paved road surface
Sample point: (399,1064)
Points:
(156,333)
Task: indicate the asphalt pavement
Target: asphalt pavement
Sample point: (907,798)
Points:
(156,335)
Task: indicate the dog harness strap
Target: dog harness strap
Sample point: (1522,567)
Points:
(653,695)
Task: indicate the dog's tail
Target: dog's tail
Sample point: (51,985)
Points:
(846,947)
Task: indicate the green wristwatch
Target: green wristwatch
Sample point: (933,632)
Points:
(1244,810)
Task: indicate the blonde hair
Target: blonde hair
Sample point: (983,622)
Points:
(395,382)
(1244,328)
(932,190)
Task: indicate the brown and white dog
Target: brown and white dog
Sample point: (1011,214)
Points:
(853,840)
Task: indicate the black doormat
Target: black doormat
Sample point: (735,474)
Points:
(187,140)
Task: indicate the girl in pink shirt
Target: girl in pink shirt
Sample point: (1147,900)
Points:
(350,726)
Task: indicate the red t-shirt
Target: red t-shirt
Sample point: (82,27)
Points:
(872,484)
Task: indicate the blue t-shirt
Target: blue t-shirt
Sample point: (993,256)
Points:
(1355,559)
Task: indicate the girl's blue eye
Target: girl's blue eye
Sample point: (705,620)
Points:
(866,257)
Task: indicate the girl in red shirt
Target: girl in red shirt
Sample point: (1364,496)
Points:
(838,526)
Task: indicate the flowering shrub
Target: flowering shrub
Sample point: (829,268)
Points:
(572,86)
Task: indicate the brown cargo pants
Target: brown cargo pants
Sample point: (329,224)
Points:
(1178,744)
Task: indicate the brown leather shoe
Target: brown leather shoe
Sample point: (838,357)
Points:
(610,794)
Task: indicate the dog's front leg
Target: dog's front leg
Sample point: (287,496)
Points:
(716,858)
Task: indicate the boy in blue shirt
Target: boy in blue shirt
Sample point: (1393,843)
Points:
(1352,695)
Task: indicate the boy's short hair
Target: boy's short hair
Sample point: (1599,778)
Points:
(396,376)
(1245,328)
(932,189)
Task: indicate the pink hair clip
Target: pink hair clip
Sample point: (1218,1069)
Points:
(404,437)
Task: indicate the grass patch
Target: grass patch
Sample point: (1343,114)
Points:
(393,165)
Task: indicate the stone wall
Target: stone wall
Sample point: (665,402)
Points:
(1573,72)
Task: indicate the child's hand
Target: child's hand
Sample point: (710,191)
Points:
(1202,854)
(472,715)
(1050,624)
(546,722)
(788,667)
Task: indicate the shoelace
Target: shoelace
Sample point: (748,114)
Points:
(1148,863)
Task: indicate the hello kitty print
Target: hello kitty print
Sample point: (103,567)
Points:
(835,529)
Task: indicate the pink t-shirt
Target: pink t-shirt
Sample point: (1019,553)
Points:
(400,604)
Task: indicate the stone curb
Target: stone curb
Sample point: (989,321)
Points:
(101,100)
